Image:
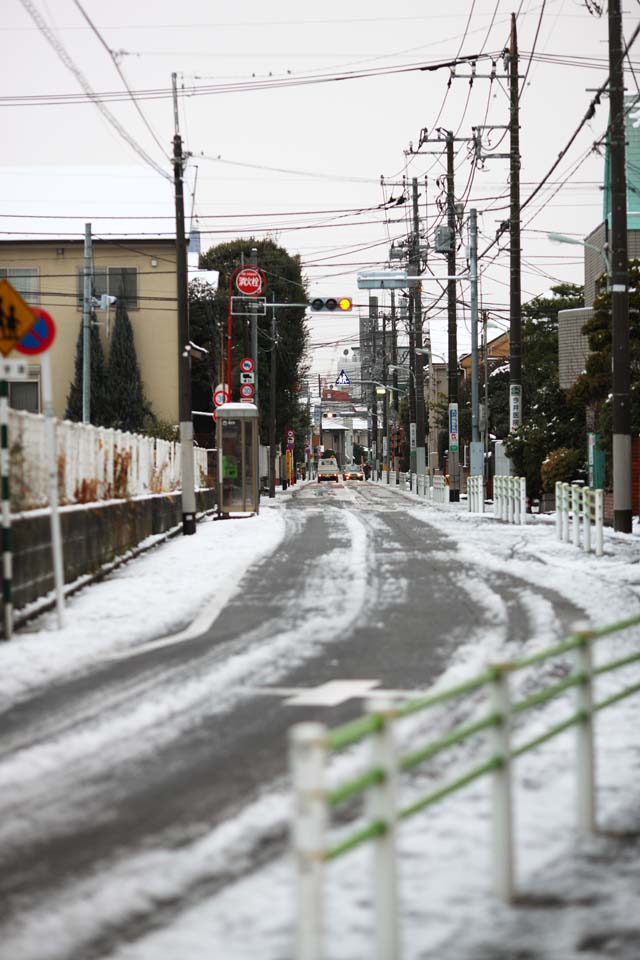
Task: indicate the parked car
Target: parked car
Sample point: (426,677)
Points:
(352,472)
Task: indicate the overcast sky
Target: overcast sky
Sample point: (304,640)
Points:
(302,161)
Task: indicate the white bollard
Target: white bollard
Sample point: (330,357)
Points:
(307,761)
(382,805)
(599,521)
(565,512)
(587,510)
(502,811)
(585,762)
(575,509)
(523,499)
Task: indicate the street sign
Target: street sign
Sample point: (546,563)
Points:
(214,415)
(41,335)
(16,318)
(220,396)
(247,378)
(250,281)
(247,365)
(453,427)
(247,391)
(13,370)
(342,379)
(248,306)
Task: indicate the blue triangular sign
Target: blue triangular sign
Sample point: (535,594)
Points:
(342,379)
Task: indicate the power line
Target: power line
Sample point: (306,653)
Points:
(44,28)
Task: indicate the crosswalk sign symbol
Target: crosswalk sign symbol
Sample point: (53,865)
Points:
(342,379)
(16,318)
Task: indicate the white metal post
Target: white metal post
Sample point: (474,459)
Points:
(558,510)
(307,759)
(382,805)
(575,509)
(523,499)
(52,476)
(565,512)
(502,813)
(585,762)
(587,507)
(599,521)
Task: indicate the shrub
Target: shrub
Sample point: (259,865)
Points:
(562,465)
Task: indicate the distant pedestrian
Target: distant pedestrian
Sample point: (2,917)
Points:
(367,471)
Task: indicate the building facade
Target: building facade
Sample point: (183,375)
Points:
(49,273)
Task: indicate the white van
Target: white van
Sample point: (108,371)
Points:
(328,469)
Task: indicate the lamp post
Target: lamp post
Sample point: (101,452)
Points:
(603,251)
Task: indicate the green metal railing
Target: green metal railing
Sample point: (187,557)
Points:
(379,781)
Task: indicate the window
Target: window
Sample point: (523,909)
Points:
(24,395)
(25,280)
(120,282)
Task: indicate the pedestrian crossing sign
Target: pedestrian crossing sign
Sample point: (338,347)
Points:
(16,318)
(342,379)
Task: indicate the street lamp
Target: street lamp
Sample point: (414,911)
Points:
(603,251)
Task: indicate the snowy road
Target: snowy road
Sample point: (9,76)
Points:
(152,778)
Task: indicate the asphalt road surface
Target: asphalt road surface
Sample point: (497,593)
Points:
(187,734)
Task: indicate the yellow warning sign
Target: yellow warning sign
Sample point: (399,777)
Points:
(16,318)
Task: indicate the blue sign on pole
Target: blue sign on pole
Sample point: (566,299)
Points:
(342,379)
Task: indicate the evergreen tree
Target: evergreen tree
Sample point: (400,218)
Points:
(549,421)
(127,404)
(209,315)
(98,380)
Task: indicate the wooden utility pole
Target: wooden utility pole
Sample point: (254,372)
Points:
(621,399)
(184,364)
(515,296)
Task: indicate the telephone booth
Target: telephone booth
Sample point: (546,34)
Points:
(238,463)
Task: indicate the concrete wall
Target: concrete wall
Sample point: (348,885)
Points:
(93,535)
(573,346)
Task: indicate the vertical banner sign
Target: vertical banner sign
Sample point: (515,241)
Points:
(453,428)
(515,406)
(385,452)
(412,436)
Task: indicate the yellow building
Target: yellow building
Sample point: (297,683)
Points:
(50,273)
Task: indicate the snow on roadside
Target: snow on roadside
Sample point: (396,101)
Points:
(139,601)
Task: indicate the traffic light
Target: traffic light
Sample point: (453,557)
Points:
(331,303)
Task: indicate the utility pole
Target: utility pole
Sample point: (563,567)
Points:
(417,315)
(515,295)
(272,408)
(477,447)
(621,405)
(485,319)
(184,365)
(395,400)
(452,332)
(87,293)
(373,319)
(320,429)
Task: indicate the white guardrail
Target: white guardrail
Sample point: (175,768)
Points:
(510,499)
(94,463)
(580,507)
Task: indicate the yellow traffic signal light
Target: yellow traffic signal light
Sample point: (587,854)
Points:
(331,303)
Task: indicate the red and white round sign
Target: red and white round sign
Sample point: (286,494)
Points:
(250,281)
(247,365)
(247,390)
(220,397)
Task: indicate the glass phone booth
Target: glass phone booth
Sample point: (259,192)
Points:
(238,463)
